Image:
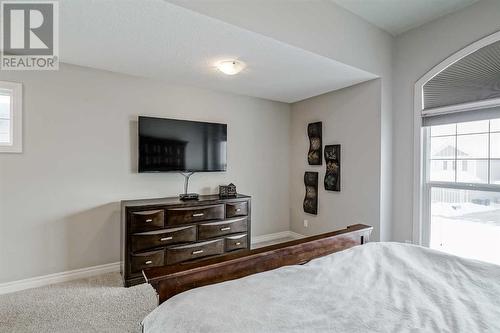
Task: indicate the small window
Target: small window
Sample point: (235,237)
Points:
(10,117)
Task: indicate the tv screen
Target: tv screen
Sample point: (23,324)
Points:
(180,145)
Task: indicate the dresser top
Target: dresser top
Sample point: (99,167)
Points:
(203,199)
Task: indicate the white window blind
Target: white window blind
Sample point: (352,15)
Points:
(467,90)
(458,116)
(473,78)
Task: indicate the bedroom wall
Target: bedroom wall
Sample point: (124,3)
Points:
(59,199)
(416,52)
(332,32)
(351,117)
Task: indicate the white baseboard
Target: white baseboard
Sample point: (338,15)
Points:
(277,235)
(296,235)
(39,281)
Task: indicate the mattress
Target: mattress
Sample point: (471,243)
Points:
(377,287)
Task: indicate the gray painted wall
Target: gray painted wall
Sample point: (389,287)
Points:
(332,32)
(416,52)
(79,130)
(59,199)
(351,117)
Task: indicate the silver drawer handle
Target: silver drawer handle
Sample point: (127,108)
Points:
(197,252)
(164,239)
(149,220)
(198,214)
(225,229)
(239,209)
(148,262)
(238,243)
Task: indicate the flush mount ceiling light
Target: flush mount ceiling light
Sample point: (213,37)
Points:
(230,67)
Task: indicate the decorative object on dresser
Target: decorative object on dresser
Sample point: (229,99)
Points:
(332,174)
(314,131)
(227,191)
(159,232)
(187,196)
(311,198)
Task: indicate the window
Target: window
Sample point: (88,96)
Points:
(457,120)
(5,118)
(462,188)
(10,117)
(475,146)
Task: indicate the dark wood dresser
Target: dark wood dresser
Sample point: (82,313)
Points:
(159,232)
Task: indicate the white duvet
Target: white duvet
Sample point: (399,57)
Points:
(377,287)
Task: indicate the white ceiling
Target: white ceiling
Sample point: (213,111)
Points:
(159,40)
(398,16)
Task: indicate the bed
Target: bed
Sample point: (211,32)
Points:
(373,287)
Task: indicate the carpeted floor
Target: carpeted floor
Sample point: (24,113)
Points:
(97,304)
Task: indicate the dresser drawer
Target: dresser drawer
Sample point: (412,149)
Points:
(178,254)
(176,216)
(234,209)
(146,220)
(152,239)
(216,229)
(236,242)
(139,261)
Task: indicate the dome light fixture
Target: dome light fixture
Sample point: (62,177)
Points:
(230,67)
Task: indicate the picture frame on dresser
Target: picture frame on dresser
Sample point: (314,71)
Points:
(168,231)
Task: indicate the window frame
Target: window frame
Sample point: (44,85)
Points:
(418,213)
(15,90)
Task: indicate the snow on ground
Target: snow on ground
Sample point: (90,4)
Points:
(469,230)
(460,209)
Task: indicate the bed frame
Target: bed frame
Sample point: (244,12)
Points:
(172,280)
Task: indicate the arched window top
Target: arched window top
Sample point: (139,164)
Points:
(473,78)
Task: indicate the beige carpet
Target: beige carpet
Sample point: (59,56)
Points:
(98,304)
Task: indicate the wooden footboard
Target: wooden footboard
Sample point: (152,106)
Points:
(171,280)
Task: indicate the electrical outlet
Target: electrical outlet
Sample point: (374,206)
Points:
(306,223)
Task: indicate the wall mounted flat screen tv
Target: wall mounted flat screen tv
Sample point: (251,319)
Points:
(167,145)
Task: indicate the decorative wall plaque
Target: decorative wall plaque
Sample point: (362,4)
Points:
(332,175)
(314,131)
(311,198)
